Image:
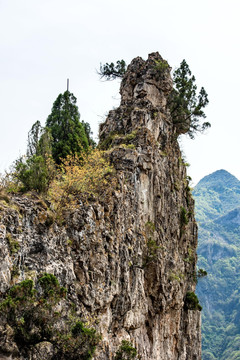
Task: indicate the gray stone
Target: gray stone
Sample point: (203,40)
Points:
(127,261)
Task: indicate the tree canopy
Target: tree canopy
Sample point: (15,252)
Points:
(185,105)
(112,71)
(68,133)
(64,135)
(39,141)
(89,133)
(35,170)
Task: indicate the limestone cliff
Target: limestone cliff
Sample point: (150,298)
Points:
(128,262)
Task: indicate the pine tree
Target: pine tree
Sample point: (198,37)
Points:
(36,169)
(33,139)
(68,133)
(185,105)
(112,71)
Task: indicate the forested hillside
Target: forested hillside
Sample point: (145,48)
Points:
(217,199)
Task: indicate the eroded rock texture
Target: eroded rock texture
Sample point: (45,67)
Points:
(127,262)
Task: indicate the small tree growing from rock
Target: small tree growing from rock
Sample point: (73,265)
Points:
(126,351)
(112,71)
(185,105)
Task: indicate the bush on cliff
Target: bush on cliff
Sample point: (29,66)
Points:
(33,314)
(85,177)
(192,302)
(64,135)
(126,351)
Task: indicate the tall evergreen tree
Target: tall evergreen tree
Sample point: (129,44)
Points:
(68,133)
(36,169)
(33,139)
(185,105)
(39,141)
(89,133)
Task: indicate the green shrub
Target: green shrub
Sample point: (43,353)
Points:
(130,136)
(107,142)
(161,65)
(150,227)
(201,273)
(176,276)
(126,351)
(183,216)
(191,256)
(33,173)
(131,146)
(22,291)
(12,243)
(51,287)
(31,313)
(192,302)
(152,247)
(80,343)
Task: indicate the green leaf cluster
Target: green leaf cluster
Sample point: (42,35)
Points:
(161,65)
(12,243)
(126,351)
(33,314)
(68,133)
(192,302)
(112,71)
(183,216)
(186,105)
(63,135)
(33,173)
(35,170)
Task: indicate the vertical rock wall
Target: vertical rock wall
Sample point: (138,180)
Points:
(128,261)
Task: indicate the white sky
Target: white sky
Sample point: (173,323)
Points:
(45,42)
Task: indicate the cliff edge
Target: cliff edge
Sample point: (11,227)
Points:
(127,261)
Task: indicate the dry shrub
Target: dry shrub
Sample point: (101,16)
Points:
(82,177)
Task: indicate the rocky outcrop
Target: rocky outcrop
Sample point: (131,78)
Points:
(127,261)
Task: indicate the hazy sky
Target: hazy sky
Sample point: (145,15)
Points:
(45,42)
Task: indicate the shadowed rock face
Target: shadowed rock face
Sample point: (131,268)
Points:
(132,256)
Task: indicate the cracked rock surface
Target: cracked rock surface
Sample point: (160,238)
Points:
(129,260)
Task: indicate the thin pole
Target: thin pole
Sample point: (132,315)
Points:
(67,84)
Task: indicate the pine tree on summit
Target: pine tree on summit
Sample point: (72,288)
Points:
(68,133)
(185,105)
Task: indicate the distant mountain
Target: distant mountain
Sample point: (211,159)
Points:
(217,198)
(216,194)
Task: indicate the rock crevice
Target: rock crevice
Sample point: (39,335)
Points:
(129,261)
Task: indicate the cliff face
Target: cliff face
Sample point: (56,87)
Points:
(127,262)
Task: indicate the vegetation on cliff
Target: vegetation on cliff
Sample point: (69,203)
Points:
(68,133)
(61,161)
(115,225)
(33,314)
(186,107)
(112,71)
